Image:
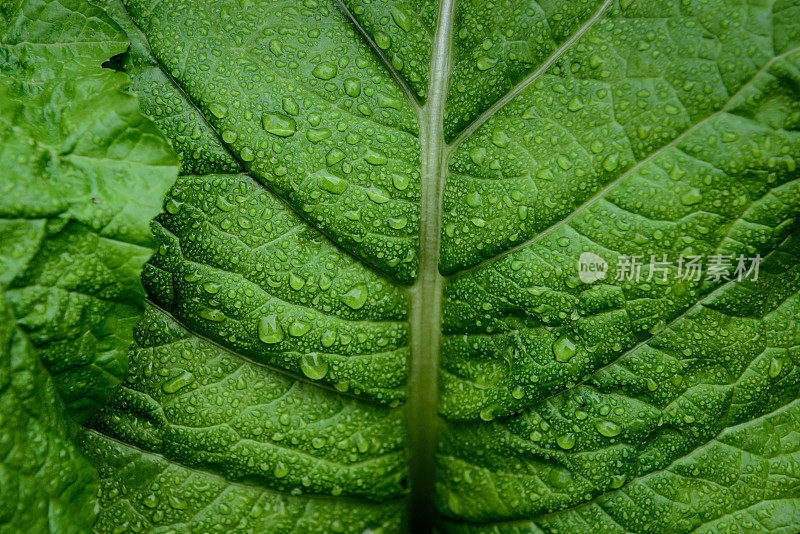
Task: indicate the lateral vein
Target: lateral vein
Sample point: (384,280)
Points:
(532,77)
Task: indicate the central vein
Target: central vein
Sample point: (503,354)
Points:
(426,294)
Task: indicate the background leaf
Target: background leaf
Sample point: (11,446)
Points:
(45,482)
(84,171)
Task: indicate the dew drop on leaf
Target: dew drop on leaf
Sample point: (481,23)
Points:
(299,328)
(566,441)
(325,70)
(178,383)
(269,329)
(313,367)
(564,349)
(277,124)
(607,428)
(355,298)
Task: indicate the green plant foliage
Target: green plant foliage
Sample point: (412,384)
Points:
(45,482)
(364,312)
(83,171)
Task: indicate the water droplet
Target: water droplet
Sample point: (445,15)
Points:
(486,63)
(290,105)
(211,287)
(377,196)
(374,157)
(212,314)
(356,297)
(617,481)
(280,470)
(218,110)
(313,367)
(383,40)
(192,277)
(277,124)
(566,442)
(296,282)
(608,428)
(400,181)
(299,328)
(315,135)
(328,338)
(151,500)
(477,155)
(500,139)
(276,47)
(334,156)
(352,87)
(176,502)
(564,349)
(775,367)
(178,383)
(611,162)
(222,204)
(401,19)
(563,162)
(247,154)
(691,197)
(361,443)
(172,206)
(269,330)
(397,222)
(331,183)
(325,70)
(575,104)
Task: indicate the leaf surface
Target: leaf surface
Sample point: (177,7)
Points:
(379,196)
(84,171)
(45,482)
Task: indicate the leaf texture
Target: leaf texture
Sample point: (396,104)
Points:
(84,171)
(379,196)
(45,482)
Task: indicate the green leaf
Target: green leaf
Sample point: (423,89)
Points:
(46,485)
(368,270)
(84,171)
(253,434)
(145,491)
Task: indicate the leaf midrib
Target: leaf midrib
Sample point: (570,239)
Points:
(426,293)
